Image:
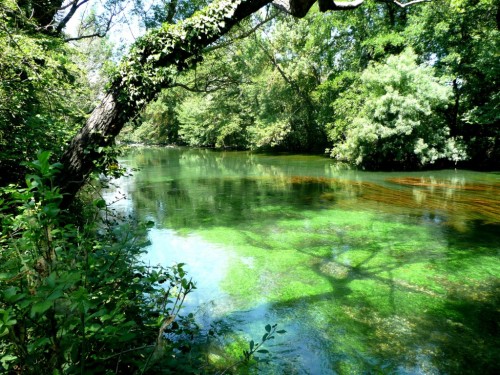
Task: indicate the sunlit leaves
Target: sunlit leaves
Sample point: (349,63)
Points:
(155,58)
(397,122)
(40,104)
(74,297)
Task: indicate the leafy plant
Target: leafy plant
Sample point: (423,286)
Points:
(77,298)
(255,348)
(398,122)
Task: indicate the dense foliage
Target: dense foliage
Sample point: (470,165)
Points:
(42,97)
(379,87)
(399,119)
(75,296)
(307,85)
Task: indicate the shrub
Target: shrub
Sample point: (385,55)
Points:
(77,298)
(400,122)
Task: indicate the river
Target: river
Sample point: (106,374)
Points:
(367,272)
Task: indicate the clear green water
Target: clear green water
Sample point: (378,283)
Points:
(367,272)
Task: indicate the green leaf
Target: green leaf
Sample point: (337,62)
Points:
(4,275)
(43,157)
(55,295)
(100,203)
(262,351)
(51,210)
(11,294)
(4,332)
(40,307)
(7,358)
(51,280)
(268,328)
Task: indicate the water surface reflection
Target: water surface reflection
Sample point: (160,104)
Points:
(368,272)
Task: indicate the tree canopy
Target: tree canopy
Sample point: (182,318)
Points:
(297,85)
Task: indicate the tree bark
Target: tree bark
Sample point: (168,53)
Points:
(78,161)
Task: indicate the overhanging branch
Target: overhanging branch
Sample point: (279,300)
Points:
(326,5)
(299,8)
(243,35)
(151,65)
(404,5)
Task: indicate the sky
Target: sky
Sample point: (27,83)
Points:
(124,31)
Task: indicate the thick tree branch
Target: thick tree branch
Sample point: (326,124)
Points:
(299,8)
(326,5)
(243,35)
(171,11)
(404,5)
(64,7)
(74,7)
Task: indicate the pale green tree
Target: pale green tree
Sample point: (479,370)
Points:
(397,122)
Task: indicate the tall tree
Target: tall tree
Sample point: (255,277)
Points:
(461,38)
(394,118)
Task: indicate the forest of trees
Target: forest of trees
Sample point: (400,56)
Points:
(377,84)
(380,87)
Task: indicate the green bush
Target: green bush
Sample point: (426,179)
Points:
(399,121)
(76,298)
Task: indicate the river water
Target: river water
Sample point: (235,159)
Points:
(367,272)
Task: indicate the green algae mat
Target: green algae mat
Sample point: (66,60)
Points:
(390,273)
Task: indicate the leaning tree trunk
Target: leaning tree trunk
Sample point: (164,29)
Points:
(85,149)
(151,65)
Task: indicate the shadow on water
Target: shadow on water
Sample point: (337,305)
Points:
(379,275)
(457,333)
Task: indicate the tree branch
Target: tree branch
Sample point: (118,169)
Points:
(99,34)
(326,5)
(299,8)
(74,7)
(208,84)
(95,35)
(67,5)
(171,11)
(241,36)
(404,5)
